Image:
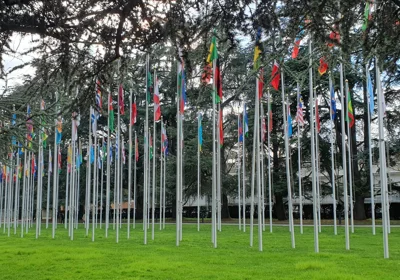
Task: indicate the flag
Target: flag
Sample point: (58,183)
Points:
(275,76)
(370,93)
(94,116)
(133,113)
(323,66)
(59,159)
(218,82)
(299,115)
(42,105)
(257,50)
(182,86)
(69,159)
(149,86)
(213,53)
(334,37)
(137,150)
(121,100)
(318,123)
(44,137)
(59,131)
(264,128)
(123,152)
(245,122)
(240,130)
(116,149)
(350,114)
(156,99)
(91,156)
(200,132)
(151,147)
(367,15)
(111,114)
(14,119)
(221,127)
(333,103)
(290,125)
(99,101)
(111,153)
(78,160)
(296,48)
(260,83)
(206,75)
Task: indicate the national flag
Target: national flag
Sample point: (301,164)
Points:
(133,113)
(264,129)
(121,100)
(218,82)
(42,105)
(182,86)
(94,116)
(275,76)
(59,131)
(240,129)
(149,86)
(290,125)
(221,127)
(333,103)
(116,149)
(75,123)
(151,147)
(318,123)
(156,99)
(334,37)
(350,113)
(260,81)
(69,159)
(370,93)
(137,150)
(91,155)
(78,160)
(123,152)
(200,132)
(111,153)
(257,50)
(14,119)
(111,114)
(296,48)
(99,101)
(213,53)
(245,121)
(299,115)
(367,15)
(59,162)
(323,66)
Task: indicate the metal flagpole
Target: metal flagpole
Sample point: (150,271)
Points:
(262,119)
(67,184)
(198,170)
(48,190)
(165,167)
(312,118)
(178,136)
(269,162)
(332,156)
(253,164)
(153,204)
(24,188)
(350,159)
(102,185)
(134,184)
(289,188)
(219,169)
(317,162)
(108,178)
(258,171)
(299,160)
(89,174)
(146,154)
(214,165)
(346,203)
(161,173)
(38,192)
(16,195)
(118,160)
(238,170)
(382,162)
(371,175)
(129,167)
(244,169)
(55,171)
(73,178)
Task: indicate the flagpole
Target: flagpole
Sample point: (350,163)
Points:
(258,171)
(38,193)
(67,184)
(332,158)
(219,168)
(102,185)
(48,190)
(238,170)
(346,203)
(161,174)
(317,161)
(16,195)
(129,167)
(382,162)
(253,163)
(23,193)
(89,173)
(165,167)
(108,182)
(73,168)
(314,187)
(55,171)
(371,176)
(350,158)
(299,160)
(244,169)
(153,205)
(118,160)
(263,126)
(146,154)
(269,162)
(134,183)
(94,212)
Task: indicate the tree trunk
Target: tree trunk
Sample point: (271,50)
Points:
(225,209)
(359,209)
(280,207)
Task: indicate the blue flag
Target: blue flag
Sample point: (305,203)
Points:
(246,121)
(370,92)
(240,130)
(200,132)
(333,103)
(290,126)
(91,155)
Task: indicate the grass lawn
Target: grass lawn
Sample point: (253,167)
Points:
(195,258)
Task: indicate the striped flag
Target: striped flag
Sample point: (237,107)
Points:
(299,115)
(164,139)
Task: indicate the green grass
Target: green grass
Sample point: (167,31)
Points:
(195,258)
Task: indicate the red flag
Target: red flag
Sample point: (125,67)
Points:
(275,76)
(156,99)
(317,116)
(121,100)
(133,113)
(296,48)
(323,66)
(335,38)
(218,80)
(59,158)
(261,83)
(207,73)
(221,128)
